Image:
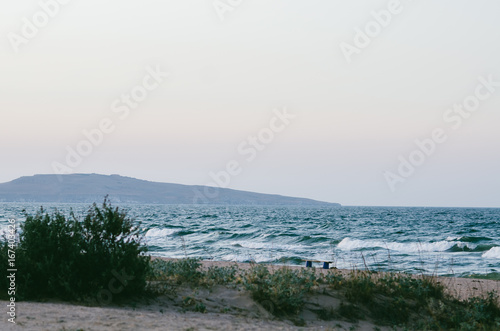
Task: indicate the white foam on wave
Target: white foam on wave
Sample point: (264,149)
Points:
(349,244)
(259,258)
(156,232)
(266,246)
(493,253)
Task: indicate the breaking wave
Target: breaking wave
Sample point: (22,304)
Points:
(349,244)
(493,253)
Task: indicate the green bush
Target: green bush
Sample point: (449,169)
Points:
(359,287)
(221,275)
(333,279)
(47,256)
(471,314)
(420,303)
(97,258)
(111,247)
(281,292)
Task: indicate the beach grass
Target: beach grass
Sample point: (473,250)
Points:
(386,299)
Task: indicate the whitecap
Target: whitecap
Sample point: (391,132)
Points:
(266,246)
(349,244)
(157,232)
(493,253)
(258,258)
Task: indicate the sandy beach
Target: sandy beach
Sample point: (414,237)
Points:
(227,308)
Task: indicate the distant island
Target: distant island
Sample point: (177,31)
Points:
(88,188)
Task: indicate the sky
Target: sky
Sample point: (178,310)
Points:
(372,103)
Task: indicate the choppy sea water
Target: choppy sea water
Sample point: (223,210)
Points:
(443,241)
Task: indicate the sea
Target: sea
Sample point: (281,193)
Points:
(436,241)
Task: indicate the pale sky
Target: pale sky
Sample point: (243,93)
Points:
(228,77)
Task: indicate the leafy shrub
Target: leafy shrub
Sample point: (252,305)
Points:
(284,288)
(359,287)
(419,289)
(404,296)
(110,245)
(333,279)
(420,303)
(221,275)
(47,257)
(72,259)
(472,314)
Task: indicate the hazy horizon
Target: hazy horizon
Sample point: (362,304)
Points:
(372,103)
(305,197)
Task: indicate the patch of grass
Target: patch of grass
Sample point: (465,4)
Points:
(166,276)
(398,300)
(221,275)
(399,297)
(333,279)
(176,272)
(390,299)
(359,287)
(408,287)
(200,308)
(285,288)
(472,314)
(192,304)
(416,302)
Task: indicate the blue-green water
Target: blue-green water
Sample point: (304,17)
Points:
(445,241)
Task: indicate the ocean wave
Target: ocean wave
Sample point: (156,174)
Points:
(258,258)
(184,233)
(493,253)
(209,216)
(313,240)
(157,232)
(483,248)
(349,244)
(469,239)
(470,248)
(241,235)
(267,246)
(453,238)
